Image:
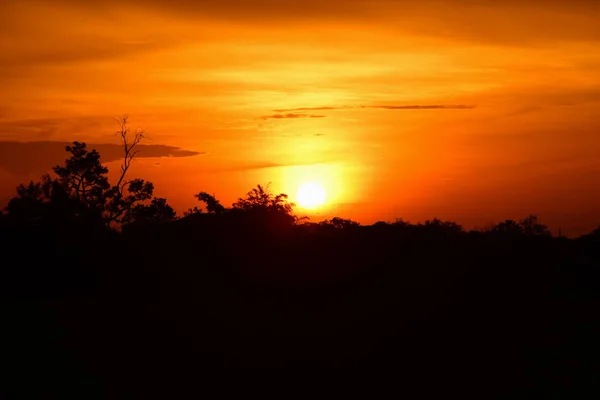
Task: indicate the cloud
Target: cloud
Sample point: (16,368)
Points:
(386,107)
(96,49)
(263,165)
(281,110)
(419,107)
(231,10)
(252,166)
(43,129)
(27,158)
(291,116)
(55,32)
(506,22)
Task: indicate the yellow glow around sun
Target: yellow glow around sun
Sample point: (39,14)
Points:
(311,195)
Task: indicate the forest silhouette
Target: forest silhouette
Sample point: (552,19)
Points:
(107,293)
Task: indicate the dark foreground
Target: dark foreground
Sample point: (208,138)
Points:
(189,311)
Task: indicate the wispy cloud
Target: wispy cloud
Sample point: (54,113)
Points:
(24,158)
(308,109)
(425,107)
(385,107)
(263,165)
(500,22)
(48,128)
(291,116)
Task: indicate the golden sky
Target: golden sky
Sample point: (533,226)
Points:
(463,110)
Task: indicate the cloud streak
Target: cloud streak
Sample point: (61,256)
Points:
(26,158)
(426,107)
(291,116)
(384,107)
(496,22)
(263,165)
(283,110)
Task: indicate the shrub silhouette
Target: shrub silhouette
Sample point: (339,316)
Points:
(529,226)
(213,206)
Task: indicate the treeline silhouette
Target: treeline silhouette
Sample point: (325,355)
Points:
(107,293)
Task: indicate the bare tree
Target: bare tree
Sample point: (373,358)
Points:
(126,193)
(129,140)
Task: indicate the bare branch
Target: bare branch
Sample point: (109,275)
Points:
(129,140)
(123,186)
(129,144)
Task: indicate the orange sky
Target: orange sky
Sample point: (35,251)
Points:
(226,77)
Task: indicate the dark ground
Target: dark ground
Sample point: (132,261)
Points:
(198,309)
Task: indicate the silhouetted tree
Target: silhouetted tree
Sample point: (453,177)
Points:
(441,227)
(399,222)
(192,211)
(121,203)
(381,224)
(508,227)
(158,211)
(83,175)
(213,206)
(262,205)
(29,202)
(531,225)
(339,223)
(125,195)
(81,189)
(47,200)
(129,151)
(262,198)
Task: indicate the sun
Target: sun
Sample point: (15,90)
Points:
(310,195)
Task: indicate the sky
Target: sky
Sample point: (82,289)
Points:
(463,110)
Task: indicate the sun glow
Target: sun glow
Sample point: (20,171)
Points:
(311,195)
